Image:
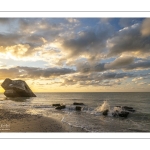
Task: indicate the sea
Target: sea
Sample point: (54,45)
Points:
(90,118)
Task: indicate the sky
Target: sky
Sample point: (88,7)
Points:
(76,54)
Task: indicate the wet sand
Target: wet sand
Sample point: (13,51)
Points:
(18,122)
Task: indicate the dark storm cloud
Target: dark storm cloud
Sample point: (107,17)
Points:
(129,39)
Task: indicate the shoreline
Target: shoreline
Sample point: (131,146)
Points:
(20,122)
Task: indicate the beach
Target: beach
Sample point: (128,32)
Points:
(18,122)
(37,114)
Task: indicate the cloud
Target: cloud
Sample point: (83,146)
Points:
(33,73)
(96,79)
(68,82)
(137,79)
(5,20)
(28,32)
(105,20)
(76,51)
(120,62)
(9,39)
(139,65)
(141,80)
(85,66)
(30,37)
(129,40)
(145,28)
(126,22)
(9,73)
(142,83)
(89,42)
(72,20)
(127,63)
(124,62)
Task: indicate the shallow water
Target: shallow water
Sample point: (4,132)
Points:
(90,117)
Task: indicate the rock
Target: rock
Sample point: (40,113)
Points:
(116,113)
(120,114)
(61,107)
(78,108)
(105,112)
(17,88)
(56,105)
(123,114)
(128,108)
(118,106)
(78,103)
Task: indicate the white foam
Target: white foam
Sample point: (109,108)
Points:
(103,107)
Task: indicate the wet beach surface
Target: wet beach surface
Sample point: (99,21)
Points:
(17,122)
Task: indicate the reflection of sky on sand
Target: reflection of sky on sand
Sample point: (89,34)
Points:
(33,106)
(46,113)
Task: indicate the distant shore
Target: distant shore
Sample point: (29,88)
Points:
(18,122)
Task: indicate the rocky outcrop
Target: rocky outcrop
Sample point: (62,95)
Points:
(78,108)
(17,88)
(120,114)
(126,108)
(123,114)
(61,107)
(55,105)
(105,112)
(122,111)
(77,103)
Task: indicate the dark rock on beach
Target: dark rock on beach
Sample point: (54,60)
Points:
(78,108)
(123,114)
(61,107)
(17,88)
(120,113)
(126,108)
(77,103)
(56,105)
(105,112)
